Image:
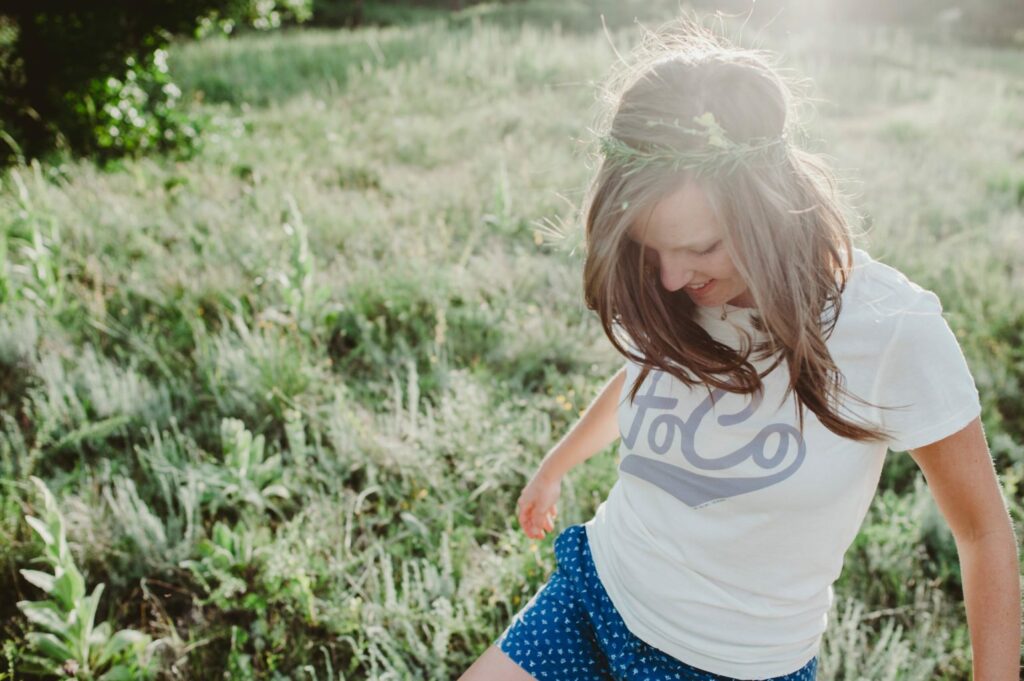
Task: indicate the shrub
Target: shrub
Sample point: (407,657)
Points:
(90,75)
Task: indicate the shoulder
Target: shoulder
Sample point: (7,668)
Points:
(885,291)
(883,299)
(883,313)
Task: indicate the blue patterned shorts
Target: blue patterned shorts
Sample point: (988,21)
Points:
(570,630)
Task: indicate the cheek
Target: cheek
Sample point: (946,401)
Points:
(721,266)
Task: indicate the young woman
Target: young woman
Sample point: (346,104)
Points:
(770,365)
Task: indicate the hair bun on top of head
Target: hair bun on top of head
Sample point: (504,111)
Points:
(686,74)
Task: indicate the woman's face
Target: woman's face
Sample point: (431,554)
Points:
(685,246)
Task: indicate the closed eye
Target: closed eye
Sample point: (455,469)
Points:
(652,257)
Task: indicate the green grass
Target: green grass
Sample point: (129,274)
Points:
(351,268)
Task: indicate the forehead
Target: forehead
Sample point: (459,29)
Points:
(682,218)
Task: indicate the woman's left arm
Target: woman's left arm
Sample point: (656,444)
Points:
(962,479)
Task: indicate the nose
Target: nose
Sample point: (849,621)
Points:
(674,275)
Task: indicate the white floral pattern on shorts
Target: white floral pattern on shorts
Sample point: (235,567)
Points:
(570,630)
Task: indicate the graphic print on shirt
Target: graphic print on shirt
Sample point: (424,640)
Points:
(660,427)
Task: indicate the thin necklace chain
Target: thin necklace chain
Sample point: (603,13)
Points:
(723,313)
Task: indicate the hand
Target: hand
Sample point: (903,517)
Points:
(536,506)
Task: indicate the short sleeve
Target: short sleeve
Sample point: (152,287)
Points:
(923,371)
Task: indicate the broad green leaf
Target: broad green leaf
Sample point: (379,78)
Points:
(271,465)
(36,664)
(255,602)
(222,535)
(253,497)
(277,491)
(40,527)
(44,491)
(119,642)
(69,588)
(118,673)
(87,608)
(50,645)
(258,446)
(45,614)
(100,635)
(43,580)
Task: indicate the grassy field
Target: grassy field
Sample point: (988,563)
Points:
(286,393)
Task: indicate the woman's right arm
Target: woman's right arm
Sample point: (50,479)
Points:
(596,429)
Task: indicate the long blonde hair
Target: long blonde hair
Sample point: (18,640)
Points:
(785,226)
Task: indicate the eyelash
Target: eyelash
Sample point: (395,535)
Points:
(710,250)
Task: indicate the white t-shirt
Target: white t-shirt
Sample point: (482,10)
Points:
(726,528)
